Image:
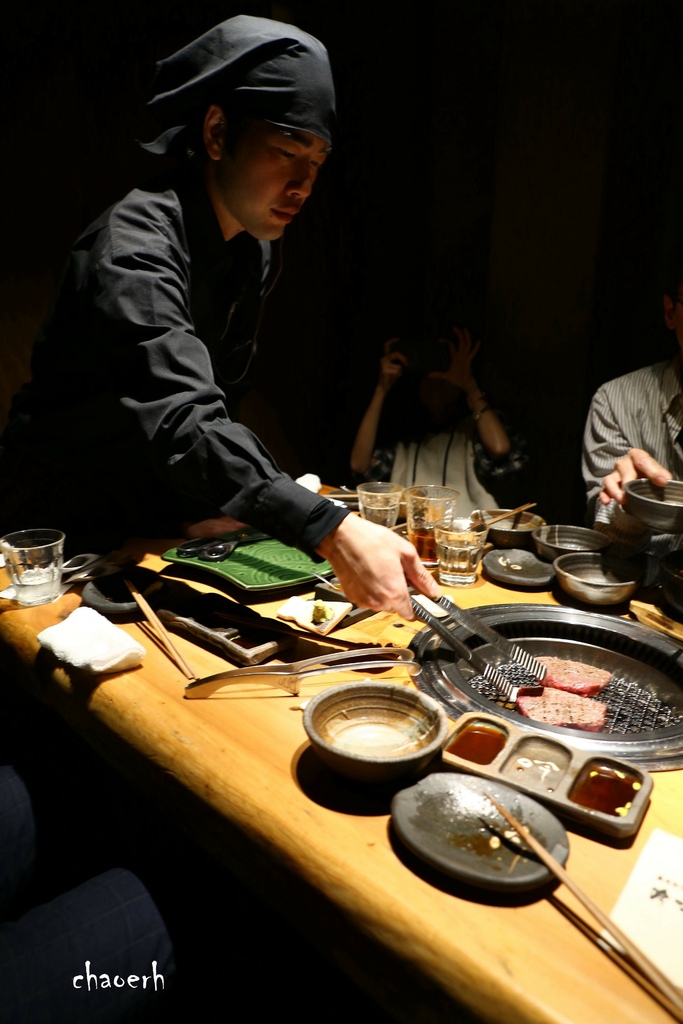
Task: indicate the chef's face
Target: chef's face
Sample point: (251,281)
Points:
(260,184)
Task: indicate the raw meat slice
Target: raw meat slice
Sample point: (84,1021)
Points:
(574,676)
(558,707)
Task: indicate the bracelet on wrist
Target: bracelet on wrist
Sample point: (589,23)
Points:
(476,416)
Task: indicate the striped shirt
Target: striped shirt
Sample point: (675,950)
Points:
(644,410)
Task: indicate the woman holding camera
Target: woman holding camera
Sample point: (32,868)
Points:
(456,438)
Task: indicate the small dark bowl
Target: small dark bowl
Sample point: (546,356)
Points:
(514,532)
(597,578)
(660,508)
(553,541)
(375,732)
(671,577)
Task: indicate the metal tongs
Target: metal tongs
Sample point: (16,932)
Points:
(502,652)
(288,676)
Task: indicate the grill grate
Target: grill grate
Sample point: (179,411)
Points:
(630,709)
(644,721)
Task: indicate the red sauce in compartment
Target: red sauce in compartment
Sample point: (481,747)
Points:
(478,742)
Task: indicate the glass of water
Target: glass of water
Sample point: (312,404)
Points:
(460,542)
(379,502)
(33,559)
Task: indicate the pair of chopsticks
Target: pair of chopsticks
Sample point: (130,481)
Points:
(633,960)
(160,632)
(513,512)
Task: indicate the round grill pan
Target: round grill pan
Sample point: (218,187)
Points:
(644,698)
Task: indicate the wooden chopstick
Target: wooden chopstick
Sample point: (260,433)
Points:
(615,956)
(161,632)
(642,963)
(511,513)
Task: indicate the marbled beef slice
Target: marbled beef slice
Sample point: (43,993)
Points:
(574,676)
(558,707)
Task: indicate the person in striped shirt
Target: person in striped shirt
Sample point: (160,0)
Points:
(635,429)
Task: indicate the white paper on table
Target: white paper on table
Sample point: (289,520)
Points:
(298,610)
(650,907)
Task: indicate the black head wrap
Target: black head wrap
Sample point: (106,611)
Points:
(257,68)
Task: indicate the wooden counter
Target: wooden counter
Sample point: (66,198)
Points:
(237,771)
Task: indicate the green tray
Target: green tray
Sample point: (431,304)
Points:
(262,565)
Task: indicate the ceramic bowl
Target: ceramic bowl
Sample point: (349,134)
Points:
(660,508)
(375,732)
(515,532)
(552,541)
(671,577)
(598,578)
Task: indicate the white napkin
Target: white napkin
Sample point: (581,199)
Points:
(310,481)
(87,640)
(313,483)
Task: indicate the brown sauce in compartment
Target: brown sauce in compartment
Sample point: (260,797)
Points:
(606,788)
(478,742)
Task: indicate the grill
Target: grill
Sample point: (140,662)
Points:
(644,698)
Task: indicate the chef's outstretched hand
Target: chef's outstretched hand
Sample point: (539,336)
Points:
(375,566)
(636,463)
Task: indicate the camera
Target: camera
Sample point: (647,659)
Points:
(425,356)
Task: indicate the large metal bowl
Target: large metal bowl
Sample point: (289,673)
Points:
(552,541)
(660,508)
(598,578)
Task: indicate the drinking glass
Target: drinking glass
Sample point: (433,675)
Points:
(460,542)
(426,505)
(379,502)
(33,559)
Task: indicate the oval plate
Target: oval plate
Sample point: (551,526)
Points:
(448,822)
(522,568)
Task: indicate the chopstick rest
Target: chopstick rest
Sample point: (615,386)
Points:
(88,641)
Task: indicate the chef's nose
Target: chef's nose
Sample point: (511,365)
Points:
(301,184)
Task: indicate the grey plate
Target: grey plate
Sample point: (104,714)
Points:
(447,821)
(513,565)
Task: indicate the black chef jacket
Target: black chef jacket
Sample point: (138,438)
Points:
(124,428)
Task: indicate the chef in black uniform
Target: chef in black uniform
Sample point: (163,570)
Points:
(125,426)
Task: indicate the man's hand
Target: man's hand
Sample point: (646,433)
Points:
(375,565)
(636,463)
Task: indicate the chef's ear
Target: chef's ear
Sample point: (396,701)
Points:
(214,132)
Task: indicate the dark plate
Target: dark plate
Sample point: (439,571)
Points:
(109,594)
(522,568)
(447,821)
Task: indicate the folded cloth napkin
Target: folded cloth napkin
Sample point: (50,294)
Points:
(87,640)
(313,483)
(310,481)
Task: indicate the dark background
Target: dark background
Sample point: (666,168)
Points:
(511,165)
